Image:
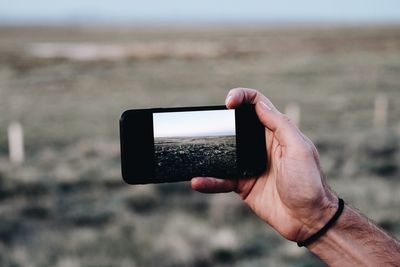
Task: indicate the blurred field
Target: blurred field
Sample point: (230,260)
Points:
(66,205)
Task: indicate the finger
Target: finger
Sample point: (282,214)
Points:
(238,96)
(213,185)
(284,130)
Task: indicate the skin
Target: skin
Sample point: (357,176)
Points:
(293,198)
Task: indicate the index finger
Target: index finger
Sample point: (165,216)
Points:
(238,96)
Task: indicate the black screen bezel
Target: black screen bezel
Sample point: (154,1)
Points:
(137,143)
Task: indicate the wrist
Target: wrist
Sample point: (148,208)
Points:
(323,210)
(354,241)
(340,247)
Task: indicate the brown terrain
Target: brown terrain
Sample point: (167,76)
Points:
(186,157)
(66,204)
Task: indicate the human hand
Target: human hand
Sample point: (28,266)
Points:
(291,195)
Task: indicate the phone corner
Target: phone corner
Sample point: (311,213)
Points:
(126,179)
(123,117)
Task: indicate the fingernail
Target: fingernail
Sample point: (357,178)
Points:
(265,106)
(228,98)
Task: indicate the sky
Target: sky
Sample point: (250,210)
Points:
(194,123)
(205,11)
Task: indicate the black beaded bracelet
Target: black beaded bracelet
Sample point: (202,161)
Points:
(323,230)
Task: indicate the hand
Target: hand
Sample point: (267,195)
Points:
(291,194)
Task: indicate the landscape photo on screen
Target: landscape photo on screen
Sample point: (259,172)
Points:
(194,143)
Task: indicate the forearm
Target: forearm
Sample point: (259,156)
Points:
(354,241)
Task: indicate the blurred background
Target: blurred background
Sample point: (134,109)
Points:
(69,68)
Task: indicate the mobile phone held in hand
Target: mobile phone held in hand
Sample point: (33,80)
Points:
(175,144)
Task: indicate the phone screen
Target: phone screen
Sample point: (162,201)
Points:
(195,143)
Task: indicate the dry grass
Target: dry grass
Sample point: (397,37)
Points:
(67,204)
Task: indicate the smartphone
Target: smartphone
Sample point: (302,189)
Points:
(175,144)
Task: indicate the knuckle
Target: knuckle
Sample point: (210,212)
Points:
(307,150)
(249,95)
(314,149)
(311,145)
(253,91)
(286,119)
(234,90)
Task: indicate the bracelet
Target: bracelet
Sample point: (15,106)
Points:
(323,230)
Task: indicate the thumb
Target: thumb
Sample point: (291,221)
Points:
(284,130)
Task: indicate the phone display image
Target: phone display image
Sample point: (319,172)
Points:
(195,143)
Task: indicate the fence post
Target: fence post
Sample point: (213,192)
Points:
(292,110)
(381,106)
(16,143)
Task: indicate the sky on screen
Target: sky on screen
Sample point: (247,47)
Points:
(225,11)
(194,123)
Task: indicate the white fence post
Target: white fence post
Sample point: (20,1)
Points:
(16,143)
(381,111)
(292,110)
